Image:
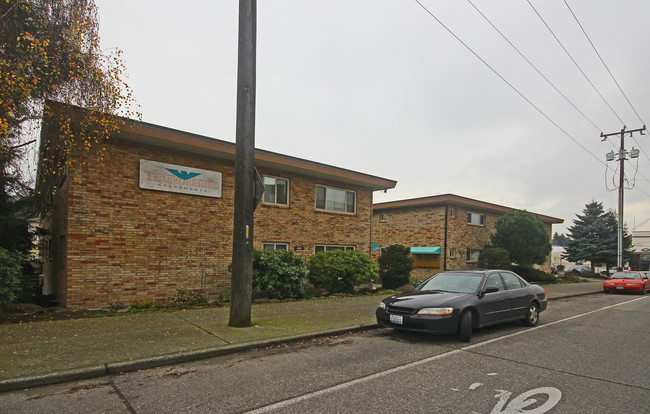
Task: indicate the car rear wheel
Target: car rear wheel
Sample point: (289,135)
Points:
(465,327)
(532,315)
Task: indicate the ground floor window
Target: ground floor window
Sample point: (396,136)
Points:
(330,247)
(473,255)
(271,247)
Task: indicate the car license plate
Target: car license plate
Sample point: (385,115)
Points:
(397,319)
(620,287)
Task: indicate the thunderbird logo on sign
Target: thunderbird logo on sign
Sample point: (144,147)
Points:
(183,175)
(179,179)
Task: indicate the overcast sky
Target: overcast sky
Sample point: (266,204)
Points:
(381,87)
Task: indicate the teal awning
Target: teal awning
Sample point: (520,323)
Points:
(375,247)
(426,250)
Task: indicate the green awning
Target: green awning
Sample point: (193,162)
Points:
(426,250)
(375,247)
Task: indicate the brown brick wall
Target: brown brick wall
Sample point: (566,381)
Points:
(425,226)
(126,244)
(301,225)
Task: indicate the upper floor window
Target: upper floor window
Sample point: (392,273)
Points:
(452,252)
(383,217)
(452,212)
(475,219)
(276,190)
(334,199)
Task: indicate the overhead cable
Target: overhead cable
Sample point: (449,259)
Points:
(610,74)
(575,63)
(509,84)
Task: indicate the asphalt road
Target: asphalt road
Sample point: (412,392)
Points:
(589,354)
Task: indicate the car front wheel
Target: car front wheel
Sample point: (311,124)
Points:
(532,315)
(465,327)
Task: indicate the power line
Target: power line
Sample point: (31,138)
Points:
(574,62)
(534,67)
(603,61)
(514,88)
(610,74)
(509,84)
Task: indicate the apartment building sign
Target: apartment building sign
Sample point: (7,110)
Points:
(179,179)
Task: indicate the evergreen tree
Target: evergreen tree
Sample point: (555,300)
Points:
(559,239)
(594,237)
(395,266)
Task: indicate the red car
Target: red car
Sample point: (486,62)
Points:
(628,281)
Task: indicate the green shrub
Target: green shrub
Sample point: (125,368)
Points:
(223,298)
(533,275)
(495,258)
(279,274)
(147,303)
(11,267)
(340,271)
(395,266)
(184,299)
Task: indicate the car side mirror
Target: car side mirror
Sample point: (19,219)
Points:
(490,289)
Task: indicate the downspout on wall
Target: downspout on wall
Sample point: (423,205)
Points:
(444,260)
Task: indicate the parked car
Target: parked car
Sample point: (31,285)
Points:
(582,269)
(628,281)
(461,301)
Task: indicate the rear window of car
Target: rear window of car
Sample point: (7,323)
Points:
(621,275)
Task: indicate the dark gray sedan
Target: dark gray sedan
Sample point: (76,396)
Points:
(460,301)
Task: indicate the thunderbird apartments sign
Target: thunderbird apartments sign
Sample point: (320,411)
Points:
(179,179)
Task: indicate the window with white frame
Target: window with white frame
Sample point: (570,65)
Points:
(330,247)
(473,255)
(276,190)
(335,199)
(452,253)
(452,212)
(475,219)
(383,217)
(271,247)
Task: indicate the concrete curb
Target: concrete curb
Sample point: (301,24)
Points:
(114,368)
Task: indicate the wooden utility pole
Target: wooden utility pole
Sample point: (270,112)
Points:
(622,156)
(242,251)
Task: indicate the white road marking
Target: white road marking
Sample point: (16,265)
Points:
(413,364)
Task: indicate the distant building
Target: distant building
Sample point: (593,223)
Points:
(640,250)
(444,232)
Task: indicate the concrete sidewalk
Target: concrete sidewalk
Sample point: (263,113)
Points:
(41,353)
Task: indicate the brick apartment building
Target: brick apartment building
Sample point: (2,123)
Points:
(444,232)
(158,216)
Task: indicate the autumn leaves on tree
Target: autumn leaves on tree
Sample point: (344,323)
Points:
(49,54)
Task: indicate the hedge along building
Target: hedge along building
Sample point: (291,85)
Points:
(157,216)
(444,232)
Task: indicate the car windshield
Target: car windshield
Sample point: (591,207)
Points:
(622,275)
(453,282)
